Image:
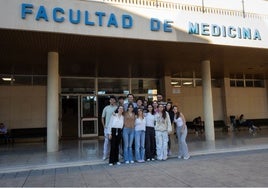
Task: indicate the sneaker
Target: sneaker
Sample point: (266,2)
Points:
(131,162)
(152,159)
(127,162)
(104,158)
(185,158)
(148,160)
(140,161)
(118,163)
(111,164)
(179,157)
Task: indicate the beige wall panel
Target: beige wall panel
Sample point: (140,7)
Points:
(25,106)
(5,110)
(252,102)
(190,102)
(218,108)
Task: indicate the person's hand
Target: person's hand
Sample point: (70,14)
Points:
(110,136)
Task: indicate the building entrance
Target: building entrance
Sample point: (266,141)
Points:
(69,117)
(79,117)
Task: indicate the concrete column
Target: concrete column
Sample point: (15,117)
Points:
(207,98)
(53,102)
(167,88)
(227,106)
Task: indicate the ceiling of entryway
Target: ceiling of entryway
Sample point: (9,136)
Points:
(24,52)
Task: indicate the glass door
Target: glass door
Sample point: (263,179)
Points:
(89,116)
(69,116)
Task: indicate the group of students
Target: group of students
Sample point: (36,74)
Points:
(146,126)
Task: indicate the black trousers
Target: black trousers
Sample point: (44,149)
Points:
(150,145)
(115,142)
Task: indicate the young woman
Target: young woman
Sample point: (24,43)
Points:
(115,134)
(150,149)
(162,129)
(169,109)
(140,123)
(128,133)
(181,133)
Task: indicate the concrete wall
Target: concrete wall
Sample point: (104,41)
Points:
(23,106)
(252,102)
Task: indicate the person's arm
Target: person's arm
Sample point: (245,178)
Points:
(103,116)
(184,121)
(102,121)
(168,123)
(110,124)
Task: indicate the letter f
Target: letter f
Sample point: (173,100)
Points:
(26,9)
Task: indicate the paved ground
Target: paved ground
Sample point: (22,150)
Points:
(233,169)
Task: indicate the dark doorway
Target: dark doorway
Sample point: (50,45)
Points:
(69,117)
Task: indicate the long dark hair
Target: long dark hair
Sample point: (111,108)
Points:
(177,114)
(130,104)
(153,112)
(164,115)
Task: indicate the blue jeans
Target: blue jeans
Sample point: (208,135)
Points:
(128,136)
(139,145)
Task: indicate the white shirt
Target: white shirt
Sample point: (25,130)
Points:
(149,120)
(116,121)
(179,122)
(140,124)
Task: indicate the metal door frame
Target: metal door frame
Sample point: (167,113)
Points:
(81,135)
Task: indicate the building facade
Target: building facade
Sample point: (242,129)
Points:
(60,60)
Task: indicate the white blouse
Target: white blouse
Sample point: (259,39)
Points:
(179,122)
(116,121)
(140,124)
(149,120)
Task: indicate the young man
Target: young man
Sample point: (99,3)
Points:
(130,98)
(106,116)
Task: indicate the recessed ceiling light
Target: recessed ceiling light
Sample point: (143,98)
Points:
(7,79)
(187,83)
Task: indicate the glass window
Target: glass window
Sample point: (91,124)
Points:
(22,80)
(258,83)
(239,83)
(77,85)
(113,86)
(247,80)
(249,83)
(144,86)
(40,80)
(232,83)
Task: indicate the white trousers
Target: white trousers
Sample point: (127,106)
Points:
(161,138)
